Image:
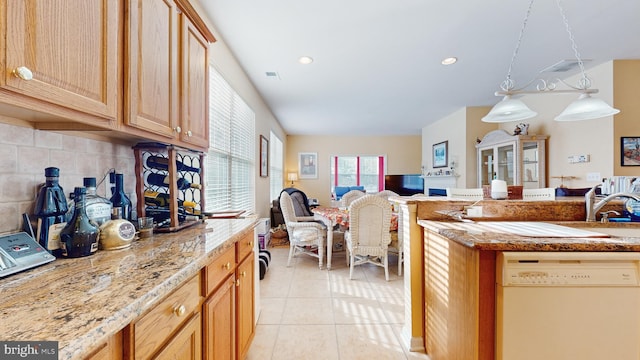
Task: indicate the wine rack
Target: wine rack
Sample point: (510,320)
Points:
(174,208)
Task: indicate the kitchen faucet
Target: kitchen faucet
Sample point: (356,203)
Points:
(593,207)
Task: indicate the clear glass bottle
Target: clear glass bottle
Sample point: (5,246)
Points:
(50,209)
(98,208)
(80,236)
(120,199)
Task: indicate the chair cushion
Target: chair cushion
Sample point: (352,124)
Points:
(340,190)
(305,235)
(361,188)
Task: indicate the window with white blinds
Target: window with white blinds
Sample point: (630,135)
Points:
(276,165)
(230,162)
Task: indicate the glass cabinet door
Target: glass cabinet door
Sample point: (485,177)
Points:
(506,163)
(530,161)
(487,167)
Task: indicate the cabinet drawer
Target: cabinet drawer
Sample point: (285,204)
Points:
(244,246)
(154,328)
(219,269)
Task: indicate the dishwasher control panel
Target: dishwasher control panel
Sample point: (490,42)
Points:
(568,269)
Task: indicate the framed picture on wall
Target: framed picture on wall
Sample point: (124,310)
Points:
(308,165)
(264,156)
(440,153)
(630,151)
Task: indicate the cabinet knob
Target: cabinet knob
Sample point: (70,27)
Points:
(179,310)
(243,274)
(23,73)
(189,133)
(177,129)
(227,266)
(237,282)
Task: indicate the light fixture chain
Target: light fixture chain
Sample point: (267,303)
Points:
(585,82)
(508,84)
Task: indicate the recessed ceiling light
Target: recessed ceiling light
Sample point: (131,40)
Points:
(449,61)
(305,60)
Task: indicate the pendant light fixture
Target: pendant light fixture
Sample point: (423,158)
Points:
(584,108)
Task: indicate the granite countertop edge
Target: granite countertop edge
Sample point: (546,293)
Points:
(493,241)
(84,301)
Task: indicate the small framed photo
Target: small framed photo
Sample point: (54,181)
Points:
(630,151)
(440,153)
(264,156)
(308,165)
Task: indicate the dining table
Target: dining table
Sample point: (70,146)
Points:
(338,217)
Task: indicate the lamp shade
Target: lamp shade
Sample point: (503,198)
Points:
(292,176)
(509,110)
(586,108)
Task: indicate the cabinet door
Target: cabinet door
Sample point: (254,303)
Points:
(245,309)
(195,86)
(506,159)
(186,344)
(219,323)
(70,47)
(151,74)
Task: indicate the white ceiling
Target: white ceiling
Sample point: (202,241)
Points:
(377,64)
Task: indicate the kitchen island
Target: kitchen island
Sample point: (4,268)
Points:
(83,302)
(460,280)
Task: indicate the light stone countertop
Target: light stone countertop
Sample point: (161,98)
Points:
(82,302)
(468,235)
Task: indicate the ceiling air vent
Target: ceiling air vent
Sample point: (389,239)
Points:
(272,75)
(564,66)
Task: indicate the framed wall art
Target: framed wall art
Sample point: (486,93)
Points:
(440,154)
(264,156)
(308,165)
(630,151)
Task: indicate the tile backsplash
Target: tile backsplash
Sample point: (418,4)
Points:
(27,152)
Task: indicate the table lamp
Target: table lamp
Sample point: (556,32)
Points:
(292,177)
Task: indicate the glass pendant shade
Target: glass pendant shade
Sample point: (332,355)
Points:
(509,110)
(586,108)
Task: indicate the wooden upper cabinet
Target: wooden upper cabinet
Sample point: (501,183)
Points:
(63,52)
(195,85)
(151,67)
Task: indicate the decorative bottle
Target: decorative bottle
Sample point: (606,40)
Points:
(162,163)
(163,200)
(120,199)
(116,233)
(80,236)
(98,208)
(163,180)
(50,209)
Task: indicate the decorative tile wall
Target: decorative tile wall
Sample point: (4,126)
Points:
(25,153)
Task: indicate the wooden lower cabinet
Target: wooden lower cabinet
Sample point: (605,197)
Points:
(245,305)
(110,350)
(459,296)
(219,331)
(186,344)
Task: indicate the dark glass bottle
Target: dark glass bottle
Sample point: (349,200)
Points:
(50,209)
(163,180)
(120,199)
(162,163)
(80,236)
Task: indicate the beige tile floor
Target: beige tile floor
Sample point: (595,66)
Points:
(308,313)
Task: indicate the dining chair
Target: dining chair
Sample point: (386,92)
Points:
(368,236)
(306,236)
(385,194)
(350,196)
(467,194)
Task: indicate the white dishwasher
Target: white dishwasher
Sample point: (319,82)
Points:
(568,305)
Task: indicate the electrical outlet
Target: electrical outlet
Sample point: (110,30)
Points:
(594,176)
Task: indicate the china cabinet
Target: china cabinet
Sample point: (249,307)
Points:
(516,159)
